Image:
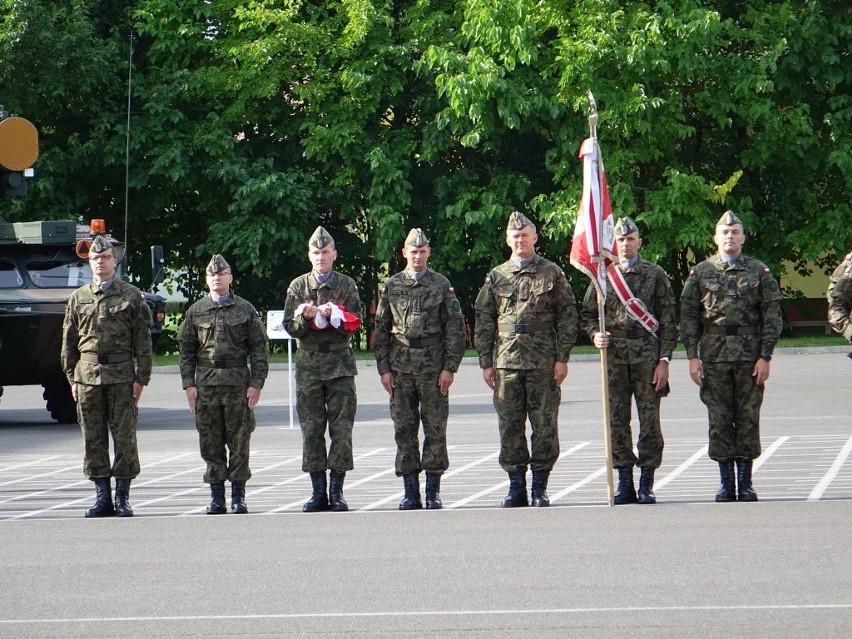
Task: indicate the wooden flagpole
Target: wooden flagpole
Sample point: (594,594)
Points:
(601,294)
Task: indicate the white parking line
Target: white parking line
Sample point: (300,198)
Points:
(447,474)
(766,454)
(680,469)
(824,483)
(503,484)
(29,463)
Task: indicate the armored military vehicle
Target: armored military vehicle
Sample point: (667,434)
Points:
(41,263)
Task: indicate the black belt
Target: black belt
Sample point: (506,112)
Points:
(634,332)
(531,327)
(731,330)
(221,362)
(102,358)
(418,342)
(323,347)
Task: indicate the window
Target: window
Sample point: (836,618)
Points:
(49,274)
(9,275)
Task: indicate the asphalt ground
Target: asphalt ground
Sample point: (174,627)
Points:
(685,567)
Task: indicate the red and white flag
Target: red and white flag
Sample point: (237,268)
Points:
(593,248)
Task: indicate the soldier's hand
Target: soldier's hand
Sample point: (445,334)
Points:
(560,372)
(191,397)
(601,340)
(760,372)
(74,391)
(445,380)
(661,376)
(310,311)
(388,383)
(488,376)
(696,370)
(137,392)
(325,309)
(252,397)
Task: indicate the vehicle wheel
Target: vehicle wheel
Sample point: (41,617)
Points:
(60,404)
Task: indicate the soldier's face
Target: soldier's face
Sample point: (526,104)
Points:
(103,265)
(729,239)
(628,245)
(220,282)
(417,257)
(322,259)
(522,242)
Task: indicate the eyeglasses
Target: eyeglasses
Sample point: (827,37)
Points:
(99,258)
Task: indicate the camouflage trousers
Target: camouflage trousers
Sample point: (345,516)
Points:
(416,398)
(733,402)
(629,382)
(101,410)
(320,404)
(519,394)
(224,421)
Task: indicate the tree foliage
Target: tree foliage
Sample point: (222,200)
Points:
(253,122)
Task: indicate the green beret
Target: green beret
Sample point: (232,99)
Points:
(517,221)
(320,238)
(729,219)
(416,237)
(625,226)
(217,264)
(100,244)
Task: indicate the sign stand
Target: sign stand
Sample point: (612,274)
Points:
(275,331)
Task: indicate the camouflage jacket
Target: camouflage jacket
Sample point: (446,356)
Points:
(412,310)
(218,342)
(630,343)
(743,299)
(338,289)
(113,326)
(536,299)
(840,299)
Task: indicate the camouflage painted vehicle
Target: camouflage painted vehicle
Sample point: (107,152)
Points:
(41,263)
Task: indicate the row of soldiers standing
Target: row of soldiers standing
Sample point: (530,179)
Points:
(526,326)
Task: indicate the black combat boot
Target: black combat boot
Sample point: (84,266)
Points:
(411,501)
(433,491)
(646,486)
(238,498)
(335,492)
(319,498)
(217,499)
(103,503)
(726,490)
(744,490)
(517,495)
(626,491)
(539,488)
(122,495)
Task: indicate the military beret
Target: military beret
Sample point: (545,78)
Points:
(517,221)
(416,237)
(625,226)
(320,238)
(100,244)
(729,219)
(217,264)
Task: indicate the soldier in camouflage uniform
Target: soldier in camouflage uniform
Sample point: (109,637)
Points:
(840,299)
(730,323)
(419,345)
(223,365)
(107,326)
(637,363)
(322,311)
(526,326)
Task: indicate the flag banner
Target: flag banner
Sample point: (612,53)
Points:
(594,234)
(593,247)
